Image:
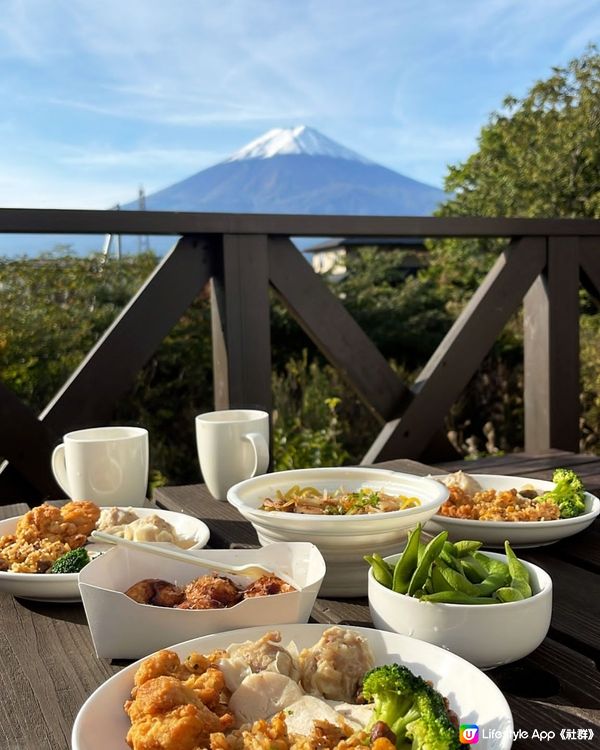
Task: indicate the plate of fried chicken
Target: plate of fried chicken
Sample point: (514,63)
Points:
(32,545)
(292,687)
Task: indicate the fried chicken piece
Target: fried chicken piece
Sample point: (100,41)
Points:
(209,687)
(185,727)
(83,514)
(200,603)
(45,533)
(164,662)
(45,521)
(166,713)
(197,663)
(267,585)
(155,591)
(159,695)
(211,587)
(71,524)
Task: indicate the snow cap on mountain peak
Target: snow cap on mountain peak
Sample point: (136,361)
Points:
(293,141)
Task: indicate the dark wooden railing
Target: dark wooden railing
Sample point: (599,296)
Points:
(241,255)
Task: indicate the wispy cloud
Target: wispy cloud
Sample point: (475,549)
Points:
(101,95)
(100,156)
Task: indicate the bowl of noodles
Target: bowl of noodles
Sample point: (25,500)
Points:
(345,511)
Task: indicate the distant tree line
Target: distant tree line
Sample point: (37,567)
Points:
(537,157)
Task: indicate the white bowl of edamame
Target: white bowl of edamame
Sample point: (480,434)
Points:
(487,634)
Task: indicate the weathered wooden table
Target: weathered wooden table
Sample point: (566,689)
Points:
(48,665)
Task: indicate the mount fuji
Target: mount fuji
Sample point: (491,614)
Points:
(298,171)
(286,170)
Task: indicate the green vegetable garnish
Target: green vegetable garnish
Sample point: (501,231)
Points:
(71,562)
(413,710)
(569,493)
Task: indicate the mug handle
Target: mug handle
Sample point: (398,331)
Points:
(59,468)
(261,452)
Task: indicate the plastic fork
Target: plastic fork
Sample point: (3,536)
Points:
(252,570)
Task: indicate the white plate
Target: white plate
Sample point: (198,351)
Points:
(62,587)
(518,533)
(101,722)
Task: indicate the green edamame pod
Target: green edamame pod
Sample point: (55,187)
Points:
(430,553)
(466,547)
(519,574)
(490,584)
(473,569)
(407,563)
(493,566)
(448,555)
(438,581)
(457,597)
(483,559)
(508,594)
(421,551)
(521,586)
(382,571)
(458,582)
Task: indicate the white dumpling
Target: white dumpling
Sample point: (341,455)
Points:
(262,695)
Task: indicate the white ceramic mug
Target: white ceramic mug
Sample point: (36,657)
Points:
(233,445)
(108,465)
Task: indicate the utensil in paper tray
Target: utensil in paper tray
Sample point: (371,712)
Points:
(252,570)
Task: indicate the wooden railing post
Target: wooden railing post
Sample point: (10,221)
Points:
(241,331)
(551,351)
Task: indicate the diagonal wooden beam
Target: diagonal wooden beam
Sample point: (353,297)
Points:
(88,397)
(551,351)
(112,365)
(460,353)
(326,321)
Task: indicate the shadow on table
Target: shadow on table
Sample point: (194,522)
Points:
(71,612)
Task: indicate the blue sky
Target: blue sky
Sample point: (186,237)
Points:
(98,97)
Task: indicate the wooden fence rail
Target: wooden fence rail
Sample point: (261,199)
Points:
(241,256)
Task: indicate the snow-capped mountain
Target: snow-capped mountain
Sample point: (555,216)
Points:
(298,140)
(298,171)
(286,170)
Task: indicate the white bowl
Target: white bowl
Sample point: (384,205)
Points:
(122,628)
(342,540)
(101,722)
(518,533)
(62,587)
(487,635)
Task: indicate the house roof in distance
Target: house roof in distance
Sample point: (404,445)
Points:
(350,243)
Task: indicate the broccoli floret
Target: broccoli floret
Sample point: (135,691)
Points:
(71,562)
(568,493)
(411,708)
(433,729)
